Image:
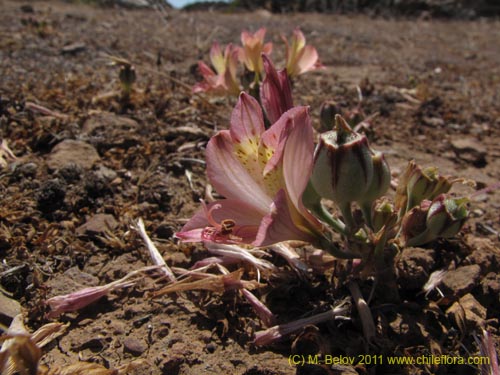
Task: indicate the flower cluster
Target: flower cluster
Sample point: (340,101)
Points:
(223,78)
(274,181)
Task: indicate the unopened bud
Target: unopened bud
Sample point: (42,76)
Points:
(423,184)
(343,167)
(383,214)
(413,226)
(381,178)
(327,114)
(441,218)
(446,216)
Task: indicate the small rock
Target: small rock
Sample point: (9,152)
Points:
(110,121)
(73,49)
(475,313)
(82,278)
(106,130)
(484,253)
(490,287)
(28,169)
(434,122)
(71,151)
(414,266)
(70,281)
(9,308)
(470,150)
(106,173)
(462,280)
(70,172)
(164,231)
(97,225)
(211,347)
(134,346)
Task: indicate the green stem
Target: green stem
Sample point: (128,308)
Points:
(345,208)
(336,224)
(366,208)
(327,245)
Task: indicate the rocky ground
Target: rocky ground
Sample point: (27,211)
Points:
(89,164)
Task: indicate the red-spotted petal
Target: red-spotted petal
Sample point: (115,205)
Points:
(247,121)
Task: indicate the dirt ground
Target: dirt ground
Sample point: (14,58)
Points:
(435,85)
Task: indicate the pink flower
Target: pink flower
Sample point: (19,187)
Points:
(299,57)
(275,91)
(253,48)
(223,80)
(262,173)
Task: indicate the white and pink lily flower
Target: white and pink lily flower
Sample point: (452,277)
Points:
(300,58)
(253,48)
(223,80)
(262,174)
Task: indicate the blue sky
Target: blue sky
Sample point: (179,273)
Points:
(181,3)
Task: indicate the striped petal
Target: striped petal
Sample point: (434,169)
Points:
(230,177)
(278,224)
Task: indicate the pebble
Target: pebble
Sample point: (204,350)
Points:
(470,150)
(71,151)
(475,313)
(413,267)
(73,48)
(134,346)
(97,225)
(462,280)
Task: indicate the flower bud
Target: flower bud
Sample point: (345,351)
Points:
(343,167)
(413,226)
(443,217)
(383,214)
(419,184)
(446,216)
(327,114)
(380,181)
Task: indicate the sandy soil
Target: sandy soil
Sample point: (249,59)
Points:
(435,87)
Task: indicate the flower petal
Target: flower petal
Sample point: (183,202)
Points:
(278,225)
(230,177)
(217,58)
(275,91)
(246,220)
(298,156)
(275,137)
(247,123)
(308,60)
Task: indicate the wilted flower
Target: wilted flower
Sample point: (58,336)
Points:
(223,80)
(300,58)
(253,48)
(275,91)
(262,173)
(441,218)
